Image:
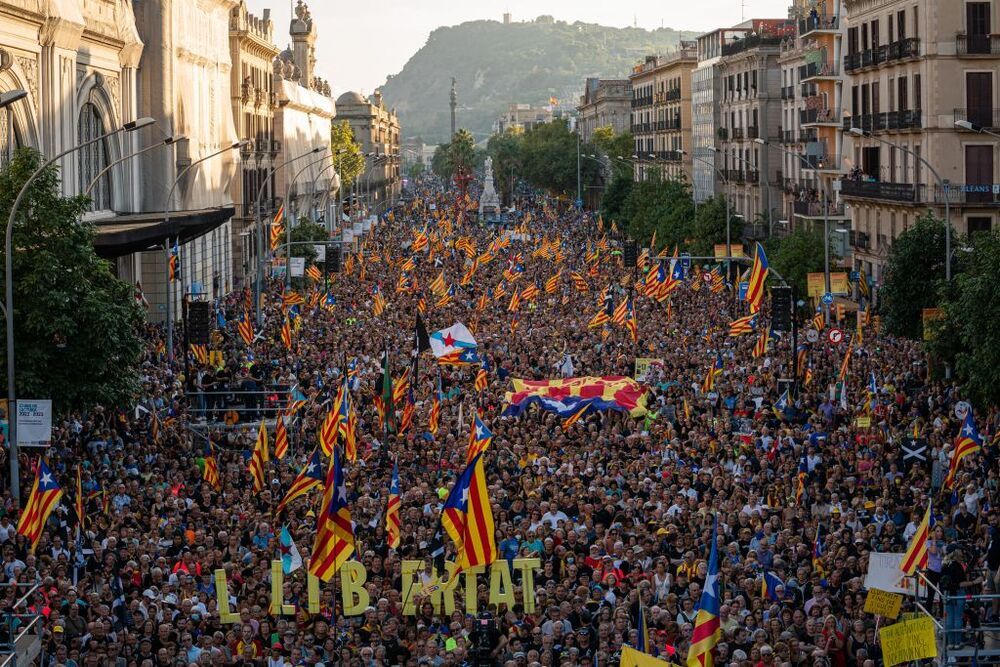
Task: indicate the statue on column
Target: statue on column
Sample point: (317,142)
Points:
(489,202)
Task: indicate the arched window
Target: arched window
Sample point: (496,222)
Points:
(93,158)
(10,136)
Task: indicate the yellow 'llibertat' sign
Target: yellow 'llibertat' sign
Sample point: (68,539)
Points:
(721,250)
(356,599)
(883,603)
(908,641)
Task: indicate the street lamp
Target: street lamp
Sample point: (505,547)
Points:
(166,142)
(826,221)
(6,100)
(972,127)
(291,217)
(260,229)
(11,96)
(166,245)
(858,132)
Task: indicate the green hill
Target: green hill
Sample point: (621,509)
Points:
(497,64)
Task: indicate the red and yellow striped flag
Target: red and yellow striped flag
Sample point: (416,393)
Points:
(334,542)
(259,458)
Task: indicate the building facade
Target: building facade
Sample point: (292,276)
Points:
(604,103)
(252,50)
(750,111)
(914,69)
(376,128)
(661,113)
(522,117)
(79,63)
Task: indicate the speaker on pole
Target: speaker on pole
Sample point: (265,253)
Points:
(199,313)
(781,308)
(630,253)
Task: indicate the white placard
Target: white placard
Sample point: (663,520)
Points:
(298,265)
(34,423)
(320,249)
(885,575)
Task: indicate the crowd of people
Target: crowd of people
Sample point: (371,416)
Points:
(618,509)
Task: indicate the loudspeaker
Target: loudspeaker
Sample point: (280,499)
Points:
(781,308)
(198,322)
(630,253)
(333,259)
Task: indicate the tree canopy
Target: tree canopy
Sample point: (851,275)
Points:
(76,326)
(913,277)
(797,255)
(347,157)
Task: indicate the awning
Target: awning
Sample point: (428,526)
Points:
(135,232)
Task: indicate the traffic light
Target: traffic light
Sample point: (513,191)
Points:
(198,314)
(631,253)
(781,308)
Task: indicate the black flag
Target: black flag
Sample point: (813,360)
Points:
(423,340)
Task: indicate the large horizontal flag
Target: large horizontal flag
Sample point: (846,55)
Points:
(566,397)
(457,337)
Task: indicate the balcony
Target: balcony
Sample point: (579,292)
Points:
(788,93)
(752,176)
(819,117)
(749,42)
(818,24)
(814,209)
(978,45)
(858,240)
(807,135)
(642,127)
(988,118)
(753,132)
(723,133)
(818,71)
(821,162)
(673,95)
(881,122)
(787,137)
(642,101)
(735,175)
(738,134)
(904,120)
(904,48)
(673,124)
(852,61)
(969,193)
(906,193)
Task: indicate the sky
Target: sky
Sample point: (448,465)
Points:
(360,42)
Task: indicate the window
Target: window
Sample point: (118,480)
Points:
(978,225)
(93,159)
(979,97)
(979,173)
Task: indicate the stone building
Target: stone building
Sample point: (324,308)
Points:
(302,123)
(604,103)
(376,129)
(661,113)
(521,117)
(750,110)
(252,51)
(914,69)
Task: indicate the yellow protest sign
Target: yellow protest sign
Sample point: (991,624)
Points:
(816,284)
(908,641)
(721,248)
(883,603)
(864,421)
(633,658)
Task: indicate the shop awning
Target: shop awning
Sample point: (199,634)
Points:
(127,233)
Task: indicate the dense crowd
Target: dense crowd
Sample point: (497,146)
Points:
(619,510)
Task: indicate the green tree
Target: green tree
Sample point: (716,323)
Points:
(461,151)
(913,276)
(415,170)
(710,227)
(614,146)
(797,255)
(505,149)
(304,236)
(549,159)
(347,157)
(615,196)
(967,335)
(440,164)
(661,206)
(76,326)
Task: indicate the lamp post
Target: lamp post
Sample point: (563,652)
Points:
(858,132)
(166,142)
(6,100)
(260,229)
(166,245)
(978,129)
(826,223)
(723,176)
(291,218)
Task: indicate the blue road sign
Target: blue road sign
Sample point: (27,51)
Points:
(827,299)
(744,288)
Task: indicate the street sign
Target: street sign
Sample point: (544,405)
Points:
(744,287)
(707,277)
(812,335)
(854,276)
(827,299)
(686,261)
(579,203)
(835,336)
